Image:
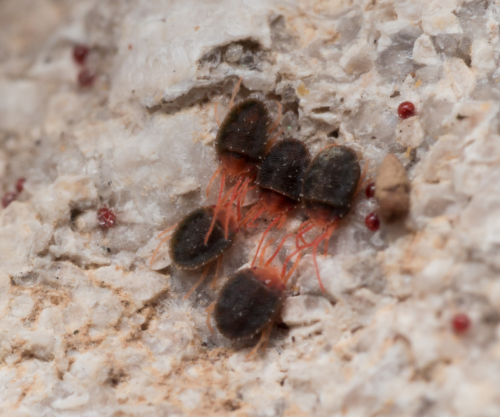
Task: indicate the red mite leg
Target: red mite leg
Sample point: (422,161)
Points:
(299,249)
(219,263)
(292,269)
(315,245)
(276,253)
(278,118)
(278,249)
(282,221)
(276,220)
(250,214)
(238,201)
(327,239)
(243,197)
(283,270)
(226,195)
(251,223)
(263,252)
(247,190)
(233,197)
(235,191)
(216,115)
(244,188)
(209,310)
(263,338)
(216,173)
(315,250)
(238,210)
(242,192)
(266,341)
(236,88)
(168,229)
(166,239)
(222,182)
(203,276)
(271,141)
(300,233)
(361,182)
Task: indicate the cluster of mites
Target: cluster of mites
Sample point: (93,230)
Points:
(251,157)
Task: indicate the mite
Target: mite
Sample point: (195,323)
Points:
(279,179)
(330,184)
(188,249)
(241,144)
(250,302)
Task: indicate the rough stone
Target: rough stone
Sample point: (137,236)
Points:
(89,327)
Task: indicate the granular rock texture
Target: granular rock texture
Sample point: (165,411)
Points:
(89,328)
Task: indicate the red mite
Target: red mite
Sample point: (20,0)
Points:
(240,145)
(8,198)
(330,184)
(372,222)
(80,53)
(20,184)
(188,250)
(250,302)
(370,190)
(86,78)
(461,323)
(406,110)
(106,217)
(280,180)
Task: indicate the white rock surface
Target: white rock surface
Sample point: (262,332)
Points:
(89,328)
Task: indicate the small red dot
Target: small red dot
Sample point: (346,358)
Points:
(20,184)
(461,323)
(86,78)
(8,198)
(80,53)
(370,190)
(372,222)
(406,110)
(106,217)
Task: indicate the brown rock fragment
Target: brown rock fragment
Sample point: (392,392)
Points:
(392,190)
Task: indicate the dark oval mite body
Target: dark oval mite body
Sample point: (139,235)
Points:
(242,137)
(187,244)
(250,301)
(330,183)
(281,175)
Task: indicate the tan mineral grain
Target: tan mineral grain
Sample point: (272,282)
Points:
(392,190)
